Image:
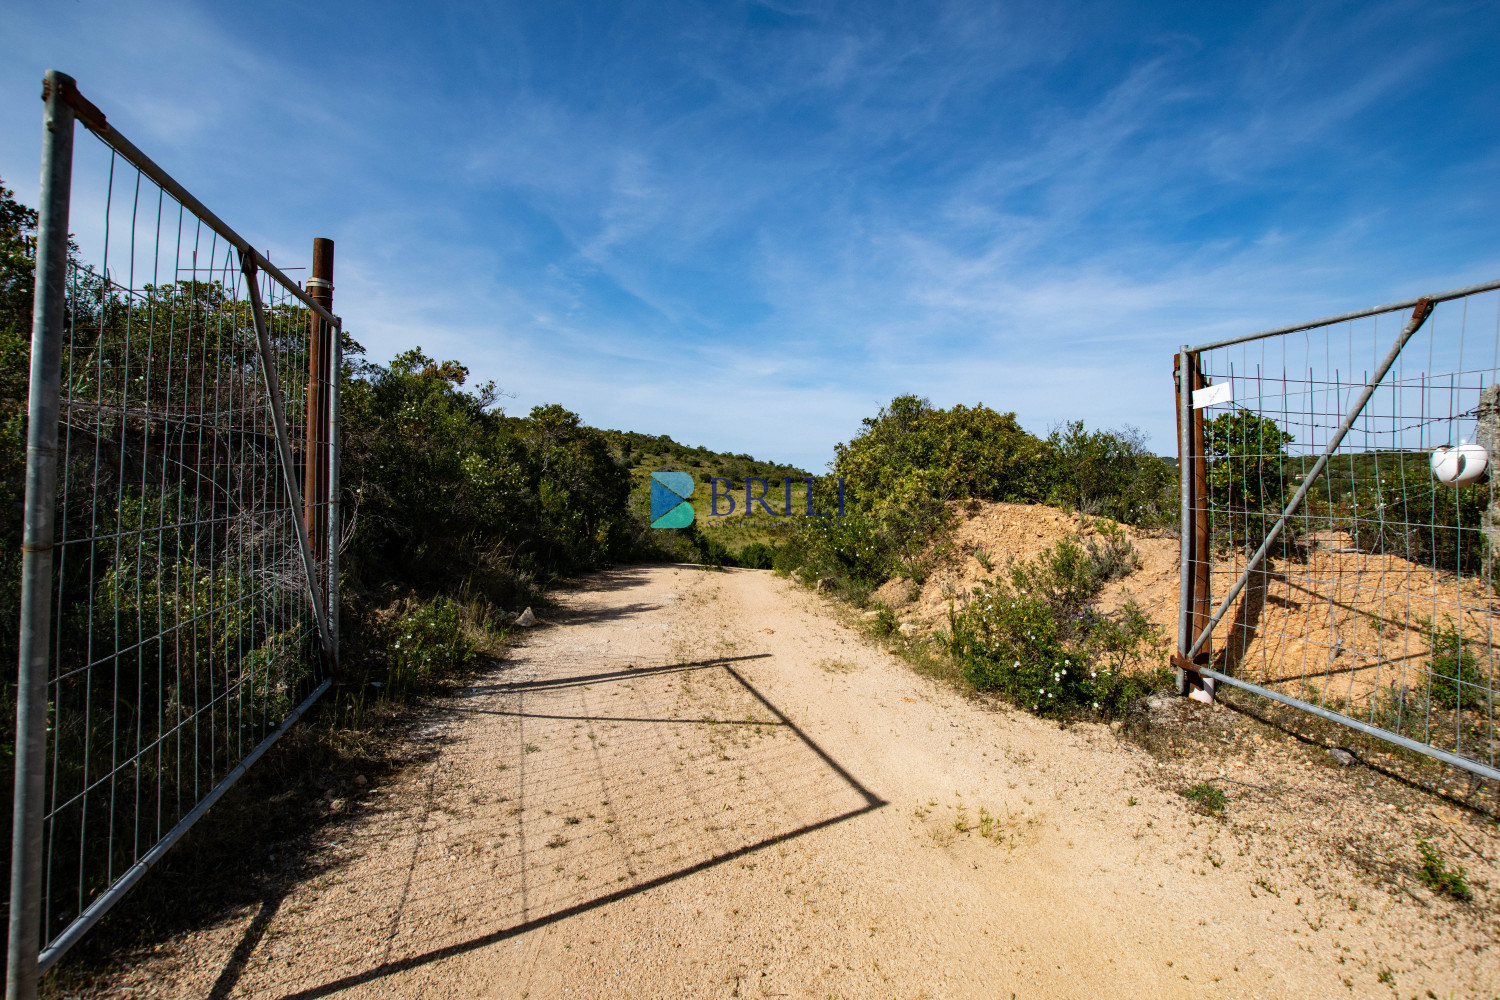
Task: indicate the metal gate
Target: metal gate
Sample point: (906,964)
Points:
(1337,550)
(179,565)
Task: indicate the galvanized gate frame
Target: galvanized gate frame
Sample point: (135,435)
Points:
(1195,630)
(27,960)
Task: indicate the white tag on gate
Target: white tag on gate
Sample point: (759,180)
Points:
(1213,394)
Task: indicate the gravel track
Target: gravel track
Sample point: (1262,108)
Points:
(703,784)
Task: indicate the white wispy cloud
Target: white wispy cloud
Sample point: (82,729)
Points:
(750,225)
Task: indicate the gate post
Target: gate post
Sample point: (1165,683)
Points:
(48,318)
(315,480)
(1192,468)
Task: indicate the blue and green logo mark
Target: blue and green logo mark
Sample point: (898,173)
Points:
(670,507)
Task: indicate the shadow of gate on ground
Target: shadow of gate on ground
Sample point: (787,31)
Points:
(570,792)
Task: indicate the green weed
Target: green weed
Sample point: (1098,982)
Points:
(1209,799)
(1455,675)
(426,643)
(1437,876)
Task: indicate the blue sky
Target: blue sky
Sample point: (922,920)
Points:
(749,224)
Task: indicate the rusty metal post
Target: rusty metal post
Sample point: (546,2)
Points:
(1192,464)
(1202,556)
(315,482)
(335,528)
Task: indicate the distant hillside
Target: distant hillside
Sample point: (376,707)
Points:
(649,453)
(733,536)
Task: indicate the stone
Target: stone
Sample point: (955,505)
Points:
(907,629)
(526,619)
(1342,756)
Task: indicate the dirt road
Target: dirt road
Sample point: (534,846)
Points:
(700,784)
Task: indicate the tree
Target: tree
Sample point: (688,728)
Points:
(17,262)
(1111,473)
(968,451)
(1247,476)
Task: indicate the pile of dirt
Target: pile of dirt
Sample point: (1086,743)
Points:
(1002,533)
(1337,622)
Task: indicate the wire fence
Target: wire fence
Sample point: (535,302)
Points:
(178,595)
(1340,520)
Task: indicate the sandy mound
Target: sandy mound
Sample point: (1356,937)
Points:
(1340,625)
(1005,532)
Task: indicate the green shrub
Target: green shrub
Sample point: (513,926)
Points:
(1064,577)
(447,493)
(17,229)
(1112,473)
(850,551)
(704,548)
(1248,470)
(425,645)
(977,452)
(1039,638)
(1455,677)
(966,451)
(1112,555)
(756,555)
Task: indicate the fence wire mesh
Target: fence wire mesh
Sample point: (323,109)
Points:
(183,630)
(1377,601)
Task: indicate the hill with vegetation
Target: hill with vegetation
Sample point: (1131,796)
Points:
(645,453)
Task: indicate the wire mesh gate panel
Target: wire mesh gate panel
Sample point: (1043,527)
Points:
(1339,542)
(178,589)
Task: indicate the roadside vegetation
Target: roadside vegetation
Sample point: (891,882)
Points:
(1034,633)
(1037,635)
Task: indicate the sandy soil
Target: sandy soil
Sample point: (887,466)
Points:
(1007,531)
(703,784)
(1339,626)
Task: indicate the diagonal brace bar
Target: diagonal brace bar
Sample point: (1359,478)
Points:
(284,448)
(1418,317)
